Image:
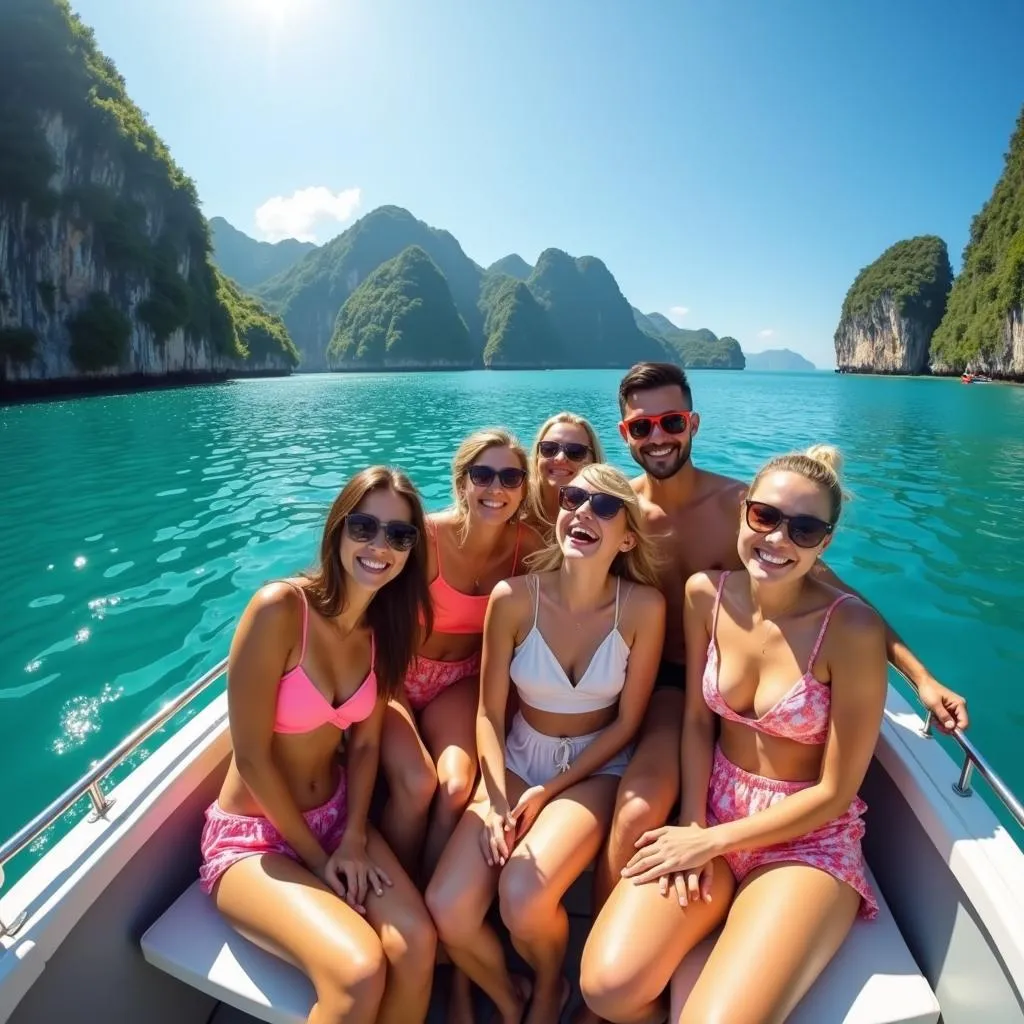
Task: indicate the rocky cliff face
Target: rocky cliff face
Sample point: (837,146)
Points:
(882,340)
(893,308)
(1005,359)
(50,266)
(104,253)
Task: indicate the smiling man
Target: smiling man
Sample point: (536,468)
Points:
(696,515)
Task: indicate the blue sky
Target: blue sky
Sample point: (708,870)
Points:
(737,161)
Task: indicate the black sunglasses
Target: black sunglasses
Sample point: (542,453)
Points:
(572,450)
(804,531)
(604,506)
(510,478)
(363,527)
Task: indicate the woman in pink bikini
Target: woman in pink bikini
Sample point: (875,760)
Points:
(565,443)
(288,856)
(580,640)
(769,832)
(429,742)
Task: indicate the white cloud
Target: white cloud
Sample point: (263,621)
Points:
(678,312)
(768,332)
(300,214)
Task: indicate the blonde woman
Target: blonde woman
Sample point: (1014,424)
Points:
(429,733)
(565,443)
(785,689)
(580,639)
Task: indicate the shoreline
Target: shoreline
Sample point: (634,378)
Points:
(20,392)
(1016,380)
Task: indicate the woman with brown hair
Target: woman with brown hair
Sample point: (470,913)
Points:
(288,855)
(580,639)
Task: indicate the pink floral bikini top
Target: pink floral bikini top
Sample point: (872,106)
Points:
(802,714)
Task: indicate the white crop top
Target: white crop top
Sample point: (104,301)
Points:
(543,684)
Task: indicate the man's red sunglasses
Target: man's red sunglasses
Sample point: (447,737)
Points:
(640,427)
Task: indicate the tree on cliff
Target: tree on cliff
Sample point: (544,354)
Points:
(402,315)
(917,274)
(990,287)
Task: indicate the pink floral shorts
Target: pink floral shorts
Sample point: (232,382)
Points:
(427,677)
(834,848)
(228,838)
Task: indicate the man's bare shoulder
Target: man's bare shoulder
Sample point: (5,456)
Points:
(725,489)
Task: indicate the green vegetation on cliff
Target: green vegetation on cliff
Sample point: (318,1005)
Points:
(99,334)
(248,261)
(59,95)
(696,349)
(401,315)
(261,335)
(513,265)
(517,330)
(991,283)
(309,295)
(588,313)
(917,274)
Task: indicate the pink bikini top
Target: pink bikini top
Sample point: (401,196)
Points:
(802,714)
(302,707)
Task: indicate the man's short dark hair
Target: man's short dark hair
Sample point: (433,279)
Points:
(647,376)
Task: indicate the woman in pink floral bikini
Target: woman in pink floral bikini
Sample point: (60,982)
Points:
(768,840)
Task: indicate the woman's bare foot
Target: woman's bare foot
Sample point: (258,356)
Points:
(547,1006)
(524,992)
(460,1000)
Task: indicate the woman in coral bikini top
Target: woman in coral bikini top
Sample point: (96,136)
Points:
(288,855)
(786,686)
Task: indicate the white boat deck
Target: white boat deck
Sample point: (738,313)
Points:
(872,980)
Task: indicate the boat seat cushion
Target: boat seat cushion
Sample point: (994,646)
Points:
(873,979)
(193,942)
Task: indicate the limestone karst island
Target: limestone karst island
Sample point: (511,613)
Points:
(905,313)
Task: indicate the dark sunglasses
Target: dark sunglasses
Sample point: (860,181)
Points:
(572,450)
(604,506)
(640,427)
(363,527)
(804,531)
(509,478)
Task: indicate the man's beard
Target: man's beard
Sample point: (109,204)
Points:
(660,469)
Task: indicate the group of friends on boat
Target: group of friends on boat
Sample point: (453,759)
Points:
(659,676)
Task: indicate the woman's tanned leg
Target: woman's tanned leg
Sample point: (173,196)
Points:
(638,941)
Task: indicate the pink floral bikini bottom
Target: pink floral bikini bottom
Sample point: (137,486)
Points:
(834,848)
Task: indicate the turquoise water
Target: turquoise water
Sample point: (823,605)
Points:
(135,527)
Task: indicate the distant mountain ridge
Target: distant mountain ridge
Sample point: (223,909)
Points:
(563,312)
(694,348)
(780,359)
(248,261)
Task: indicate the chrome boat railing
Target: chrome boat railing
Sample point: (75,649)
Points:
(91,784)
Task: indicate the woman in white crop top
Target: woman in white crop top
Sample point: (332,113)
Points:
(580,639)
